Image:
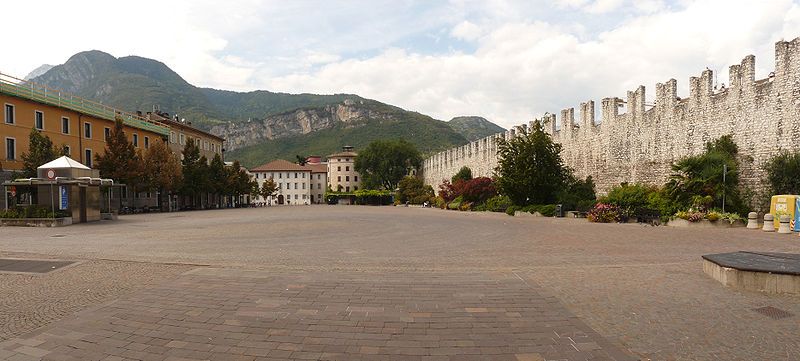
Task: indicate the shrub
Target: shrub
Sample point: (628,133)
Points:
(464,174)
(731,217)
(629,197)
(696,216)
(413,190)
(547,210)
(498,204)
(456,203)
(511,209)
(713,216)
(604,213)
(465,206)
(439,202)
(682,215)
(477,190)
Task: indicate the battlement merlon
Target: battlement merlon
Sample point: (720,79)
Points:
(635,102)
(787,61)
(587,114)
(567,119)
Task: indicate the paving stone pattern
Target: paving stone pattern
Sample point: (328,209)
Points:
(217,314)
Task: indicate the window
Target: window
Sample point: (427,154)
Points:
(304,186)
(107,133)
(295,175)
(87,130)
(256,175)
(146,142)
(339,168)
(172,137)
(280,175)
(38,120)
(339,159)
(318,176)
(347,189)
(355,178)
(303,175)
(339,178)
(355,188)
(11,149)
(9,114)
(183,139)
(347,168)
(319,185)
(65,125)
(295,196)
(68,150)
(88,160)
(295,186)
(135,140)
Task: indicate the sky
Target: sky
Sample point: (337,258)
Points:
(508,61)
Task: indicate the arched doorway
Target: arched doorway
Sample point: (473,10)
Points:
(280,199)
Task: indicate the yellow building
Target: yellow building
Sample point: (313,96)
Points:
(182,130)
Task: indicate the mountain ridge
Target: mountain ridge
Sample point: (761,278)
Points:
(251,122)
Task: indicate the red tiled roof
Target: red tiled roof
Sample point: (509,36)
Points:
(279,165)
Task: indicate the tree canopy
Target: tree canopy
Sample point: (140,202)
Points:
(464,174)
(40,151)
(530,169)
(120,161)
(383,163)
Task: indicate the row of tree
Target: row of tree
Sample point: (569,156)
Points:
(156,168)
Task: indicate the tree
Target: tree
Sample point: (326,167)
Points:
(413,190)
(40,151)
(530,169)
(383,163)
(463,174)
(194,179)
(700,176)
(218,177)
(162,170)
(268,189)
(120,161)
(301,159)
(239,182)
(783,173)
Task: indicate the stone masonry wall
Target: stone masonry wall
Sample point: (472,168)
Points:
(763,116)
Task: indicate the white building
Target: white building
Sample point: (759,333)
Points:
(297,184)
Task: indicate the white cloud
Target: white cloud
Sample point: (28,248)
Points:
(466,30)
(523,58)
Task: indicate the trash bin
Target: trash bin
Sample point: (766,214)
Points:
(559,210)
(783,204)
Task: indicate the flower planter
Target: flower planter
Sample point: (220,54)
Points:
(35,222)
(679,222)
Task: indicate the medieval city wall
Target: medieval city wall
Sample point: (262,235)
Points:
(763,116)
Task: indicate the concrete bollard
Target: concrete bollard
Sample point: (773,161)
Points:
(783,228)
(769,225)
(752,220)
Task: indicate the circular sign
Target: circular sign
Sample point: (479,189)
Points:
(51,174)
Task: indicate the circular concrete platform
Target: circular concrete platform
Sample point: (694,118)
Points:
(755,271)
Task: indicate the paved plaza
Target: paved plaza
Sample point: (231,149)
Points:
(382,283)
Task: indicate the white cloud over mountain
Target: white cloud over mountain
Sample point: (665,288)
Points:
(507,61)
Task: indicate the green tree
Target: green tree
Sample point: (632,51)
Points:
(120,161)
(239,182)
(783,173)
(301,159)
(464,174)
(268,189)
(194,177)
(217,177)
(383,163)
(701,176)
(530,169)
(40,151)
(162,170)
(413,190)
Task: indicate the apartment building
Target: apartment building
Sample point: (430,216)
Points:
(342,175)
(297,184)
(182,130)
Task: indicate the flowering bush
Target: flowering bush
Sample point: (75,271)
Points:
(696,216)
(604,213)
(477,190)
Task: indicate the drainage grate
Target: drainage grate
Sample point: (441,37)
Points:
(58,235)
(30,266)
(772,312)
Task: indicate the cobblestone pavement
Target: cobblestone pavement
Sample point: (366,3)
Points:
(640,288)
(218,314)
(28,301)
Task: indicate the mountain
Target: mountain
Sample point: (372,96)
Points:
(38,71)
(473,128)
(260,125)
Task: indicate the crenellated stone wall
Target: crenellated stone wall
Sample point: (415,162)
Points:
(763,116)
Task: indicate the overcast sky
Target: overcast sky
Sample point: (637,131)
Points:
(508,61)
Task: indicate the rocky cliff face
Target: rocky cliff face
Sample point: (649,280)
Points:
(297,122)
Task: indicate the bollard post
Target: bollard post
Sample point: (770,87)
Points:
(769,225)
(752,220)
(783,228)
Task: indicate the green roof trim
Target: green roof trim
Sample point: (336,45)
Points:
(42,94)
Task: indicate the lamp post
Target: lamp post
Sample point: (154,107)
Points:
(724,173)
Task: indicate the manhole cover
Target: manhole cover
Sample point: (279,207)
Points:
(772,312)
(30,266)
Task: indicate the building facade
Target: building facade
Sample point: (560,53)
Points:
(297,184)
(182,130)
(342,175)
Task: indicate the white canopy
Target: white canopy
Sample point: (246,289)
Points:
(63,162)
